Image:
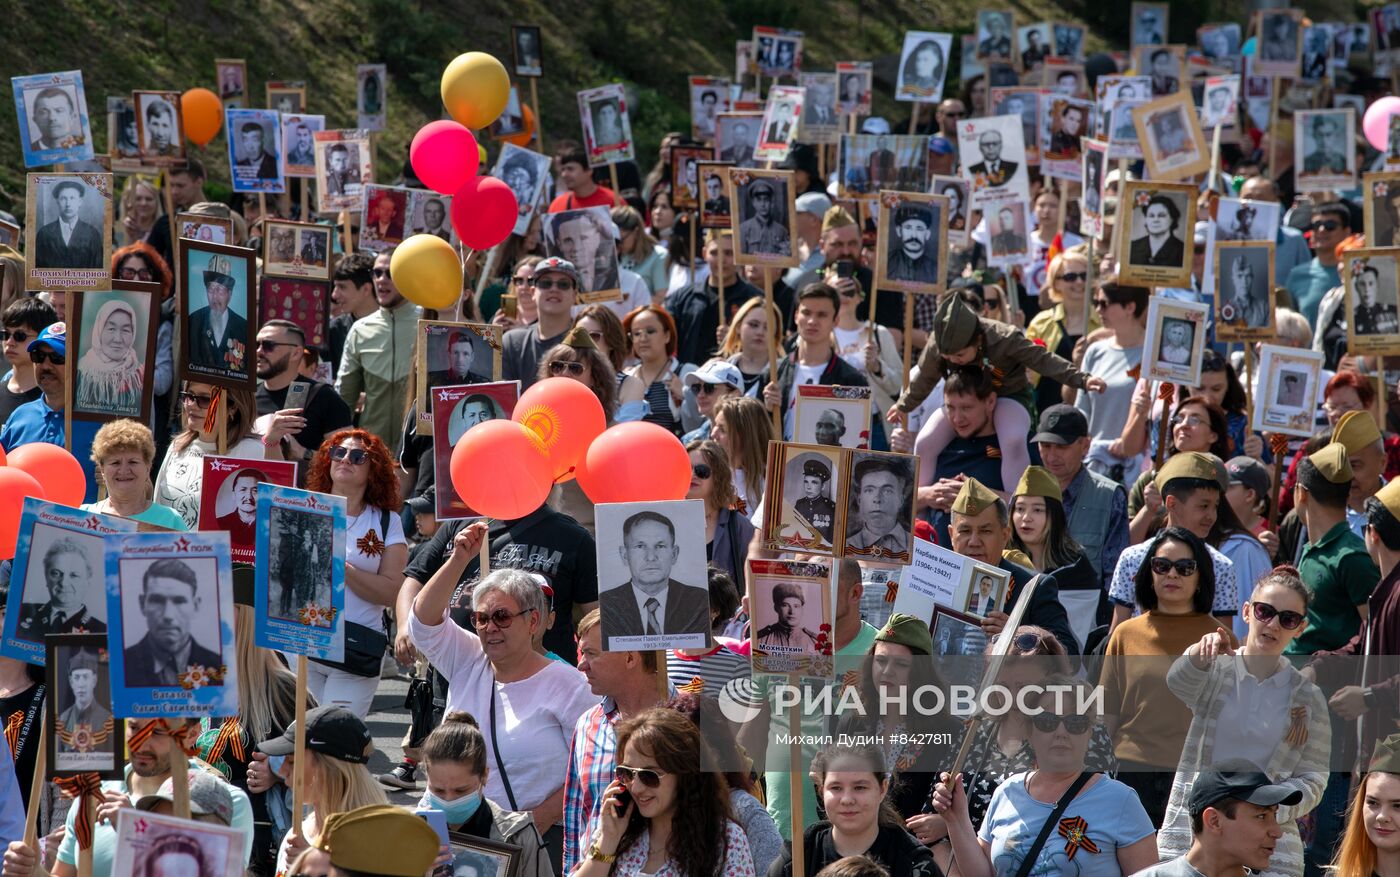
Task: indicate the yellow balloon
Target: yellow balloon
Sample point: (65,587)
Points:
(426,271)
(475,88)
(482,150)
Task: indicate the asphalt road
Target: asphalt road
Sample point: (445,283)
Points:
(388,722)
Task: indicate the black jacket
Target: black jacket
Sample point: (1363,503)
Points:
(1045,609)
(894,848)
(838,373)
(695,309)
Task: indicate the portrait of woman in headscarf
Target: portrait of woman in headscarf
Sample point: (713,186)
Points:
(110,373)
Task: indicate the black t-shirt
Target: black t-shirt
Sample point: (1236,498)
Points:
(28,705)
(894,848)
(546,542)
(335,338)
(325,411)
(522,350)
(416,454)
(10,400)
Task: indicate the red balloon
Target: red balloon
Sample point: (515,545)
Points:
(566,417)
(635,462)
(15,485)
(484,212)
(2,456)
(444,155)
(500,470)
(54,467)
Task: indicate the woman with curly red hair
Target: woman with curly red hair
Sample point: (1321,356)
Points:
(357,465)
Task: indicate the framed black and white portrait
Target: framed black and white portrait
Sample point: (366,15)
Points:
(53,118)
(1065,120)
(1158,232)
(686,189)
(113,356)
(1280,43)
(84,736)
(123,147)
(1382,201)
(736,137)
(1149,24)
(792,617)
(1237,220)
(777,51)
(1324,151)
(923,66)
(993,153)
(879,505)
(450,354)
(832,416)
(1289,387)
(1009,228)
(956,190)
(68,231)
(1220,101)
(1094,162)
(653,588)
(479,857)
(1175,344)
(821,118)
(286,97)
(1244,303)
(1317,52)
(1164,66)
(1220,43)
(709,96)
(714,199)
(1172,142)
(1023,102)
(524,170)
(781,116)
(805,512)
(1370,276)
(584,237)
(912,244)
(296,249)
(607,129)
(763,217)
(344,166)
(160,128)
(853,95)
(430,213)
(171,605)
(996,31)
(231,74)
(1069,40)
(372,82)
(1035,43)
(299,144)
(527,50)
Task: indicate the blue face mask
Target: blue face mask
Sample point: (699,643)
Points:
(275,762)
(458,810)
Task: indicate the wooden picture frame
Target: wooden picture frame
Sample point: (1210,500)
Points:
(766,240)
(1280,405)
(230,361)
(895,268)
(1253,317)
(102,382)
(505,856)
(1170,264)
(1380,194)
(1179,360)
(310,245)
(436,338)
(1375,328)
(85,262)
(1169,132)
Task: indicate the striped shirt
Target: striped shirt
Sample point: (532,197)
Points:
(706,674)
(591,761)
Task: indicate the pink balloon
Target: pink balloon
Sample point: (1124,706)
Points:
(484,212)
(444,155)
(1376,122)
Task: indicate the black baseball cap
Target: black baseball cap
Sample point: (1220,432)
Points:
(330,730)
(1249,472)
(1242,780)
(1061,424)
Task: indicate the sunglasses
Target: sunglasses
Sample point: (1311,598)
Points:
(849,293)
(1287,619)
(1184,567)
(992,304)
(702,471)
(19,336)
(380,272)
(1026,642)
(197,399)
(650,778)
(704,389)
(1073,276)
(558,367)
(273,345)
(1326,225)
(520,281)
(1046,723)
(39,357)
(1101,304)
(134,274)
(564,285)
(355,456)
(502,618)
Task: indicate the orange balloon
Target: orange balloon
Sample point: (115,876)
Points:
(635,462)
(203,115)
(15,485)
(54,467)
(500,470)
(566,417)
(524,137)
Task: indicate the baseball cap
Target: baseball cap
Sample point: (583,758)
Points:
(330,730)
(1249,472)
(556,265)
(875,125)
(940,145)
(209,796)
(814,203)
(716,371)
(1240,779)
(1061,424)
(55,335)
(423,503)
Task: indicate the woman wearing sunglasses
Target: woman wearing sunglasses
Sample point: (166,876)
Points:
(1175,587)
(1116,357)
(727,532)
(356,465)
(181,474)
(1101,829)
(853,782)
(664,815)
(1250,703)
(1061,327)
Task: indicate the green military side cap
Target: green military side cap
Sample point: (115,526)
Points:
(1387,755)
(1356,430)
(907,631)
(1187,464)
(380,839)
(955,325)
(579,339)
(974,498)
(1389,496)
(1332,462)
(1037,481)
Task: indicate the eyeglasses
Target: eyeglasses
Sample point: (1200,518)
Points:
(197,399)
(564,285)
(953,114)
(558,367)
(1287,619)
(264,344)
(1073,276)
(650,778)
(1101,304)
(41,356)
(355,456)
(19,336)
(380,272)
(1326,225)
(703,389)
(1188,420)
(520,281)
(1184,567)
(502,618)
(134,274)
(992,304)
(1046,723)
(702,471)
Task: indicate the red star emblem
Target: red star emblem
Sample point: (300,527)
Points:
(181,545)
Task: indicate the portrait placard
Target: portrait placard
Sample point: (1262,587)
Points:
(709,96)
(1289,385)
(384,218)
(935,577)
(1170,133)
(955,189)
(217,297)
(1324,155)
(781,116)
(1220,43)
(232,76)
(763,223)
(1164,66)
(160,128)
(525,171)
(1023,102)
(1149,27)
(584,237)
(1175,345)
(870,163)
(743,59)
(1094,161)
(171,594)
(832,416)
(511,121)
(296,249)
(1317,51)
(801,508)
(56,582)
(878,500)
(1156,248)
(84,735)
(923,65)
(286,97)
(1220,102)
(1035,44)
(112,366)
(646,551)
(299,145)
(373,88)
(299,585)
(1064,120)
(996,29)
(853,95)
(304,302)
(1244,307)
(1385,33)
(968,64)
(53,118)
(986,588)
(821,120)
(1280,52)
(429,212)
(527,50)
(1109,90)
(82,203)
(685,175)
(1123,142)
(960,637)
(123,147)
(736,137)
(151,843)
(228,499)
(793,619)
(463,406)
(474,856)
(714,179)
(912,245)
(993,156)
(1069,40)
(1009,225)
(10,234)
(452,354)
(203,227)
(254,150)
(1370,277)
(1064,78)
(777,51)
(1382,202)
(344,166)
(607,128)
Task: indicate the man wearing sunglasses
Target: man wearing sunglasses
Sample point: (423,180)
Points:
(295,432)
(1308,283)
(42,419)
(557,283)
(21,322)
(378,358)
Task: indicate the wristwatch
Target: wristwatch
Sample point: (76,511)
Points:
(598,855)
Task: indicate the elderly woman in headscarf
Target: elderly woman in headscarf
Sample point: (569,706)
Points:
(110,373)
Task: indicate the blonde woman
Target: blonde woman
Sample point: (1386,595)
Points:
(122,452)
(139,208)
(743,427)
(746,343)
(1061,327)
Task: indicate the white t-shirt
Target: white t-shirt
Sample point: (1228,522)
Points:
(850,346)
(535,717)
(364,550)
(182,474)
(802,374)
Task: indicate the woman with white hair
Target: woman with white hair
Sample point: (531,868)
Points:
(528,703)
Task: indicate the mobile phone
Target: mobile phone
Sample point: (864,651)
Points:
(624,800)
(297,393)
(438,820)
(845,268)
(509,306)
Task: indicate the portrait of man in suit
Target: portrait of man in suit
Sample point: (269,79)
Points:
(995,31)
(650,602)
(715,200)
(1007,239)
(996,171)
(68,241)
(71,580)
(253,155)
(461,357)
(241,522)
(434,219)
(739,144)
(218,334)
(54,115)
(913,244)
(170,602)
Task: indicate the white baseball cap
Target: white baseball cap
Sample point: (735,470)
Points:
(716,371)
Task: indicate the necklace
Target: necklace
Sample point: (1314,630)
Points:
(642,373)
